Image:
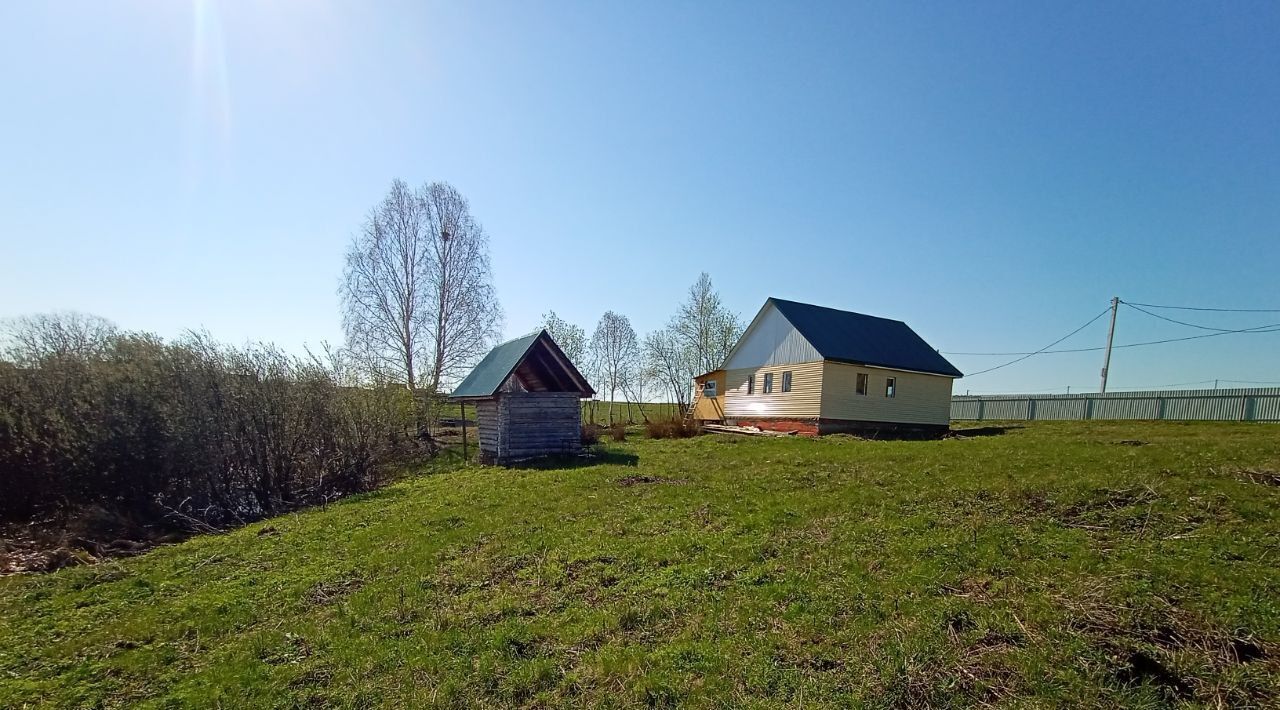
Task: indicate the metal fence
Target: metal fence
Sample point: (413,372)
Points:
(1236,405)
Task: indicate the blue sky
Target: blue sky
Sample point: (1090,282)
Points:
(991,173)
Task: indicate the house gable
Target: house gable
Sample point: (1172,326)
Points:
(771,339)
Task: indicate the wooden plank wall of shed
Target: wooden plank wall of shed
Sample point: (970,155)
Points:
(487,427)
(537,424)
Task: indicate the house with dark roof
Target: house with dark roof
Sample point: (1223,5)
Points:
(527,397)
(815,370)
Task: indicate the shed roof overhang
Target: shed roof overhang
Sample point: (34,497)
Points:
(536,362)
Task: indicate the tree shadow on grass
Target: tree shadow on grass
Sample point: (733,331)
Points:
(595,457)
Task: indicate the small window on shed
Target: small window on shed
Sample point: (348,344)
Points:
(786,381)
(709,388)
(751,384)
(890,386)
(862,383)
(768,383)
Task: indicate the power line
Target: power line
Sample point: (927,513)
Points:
(1045,348)
(1179,322)
(1048,349)
(1128,388)
(1216,310)
(1271,328)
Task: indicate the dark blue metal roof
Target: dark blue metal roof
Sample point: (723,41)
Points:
(845,336)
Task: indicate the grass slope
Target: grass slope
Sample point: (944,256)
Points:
(1050,566)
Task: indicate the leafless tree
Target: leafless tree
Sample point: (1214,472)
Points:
(669,364)
(384,288)
(634,383)
(696,340)
(464,313)
(571,338)
(705,327)
(614,351)
(29,338)
(417,293)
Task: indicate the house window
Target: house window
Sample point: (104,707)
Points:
(709,388)
(786,381)
(890,386)
(768,383)
(862,383)
(751,384)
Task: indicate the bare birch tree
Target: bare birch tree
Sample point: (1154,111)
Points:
(669,363)
(463,312)
(571,338)
(705,327)
(417,294)
(696,340)
(614,350)
(384,291)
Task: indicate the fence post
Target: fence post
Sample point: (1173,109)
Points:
(1244,406)
(981,402)
(1031,408)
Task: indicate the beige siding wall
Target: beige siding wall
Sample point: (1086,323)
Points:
(921,399)
(803,401)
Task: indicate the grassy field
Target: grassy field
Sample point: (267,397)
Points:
(1055,565)
(655,410)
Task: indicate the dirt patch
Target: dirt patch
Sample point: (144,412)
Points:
(1263,477)
(1131,442)
(1148,650)
(977,431)
(628,481)
(1108,509)
(79,536)
(330,591)
(1135,667)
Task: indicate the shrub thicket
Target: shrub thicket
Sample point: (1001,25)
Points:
(618,431)
(590,434)
(191,432)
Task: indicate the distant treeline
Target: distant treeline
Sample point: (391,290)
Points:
(189,433)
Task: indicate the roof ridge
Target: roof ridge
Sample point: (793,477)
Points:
(834,310)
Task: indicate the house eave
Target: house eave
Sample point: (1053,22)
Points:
(880,366)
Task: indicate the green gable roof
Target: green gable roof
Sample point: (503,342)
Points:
(487,377)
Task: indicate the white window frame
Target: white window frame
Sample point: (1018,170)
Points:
(891,387)
(786,381)
(861,384)
(768,383)
(709,388)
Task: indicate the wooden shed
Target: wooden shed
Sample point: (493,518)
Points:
(527,397)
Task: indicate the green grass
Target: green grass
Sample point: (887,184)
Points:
(1052,566)
(654,410)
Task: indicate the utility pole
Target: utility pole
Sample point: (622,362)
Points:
(1111,334)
